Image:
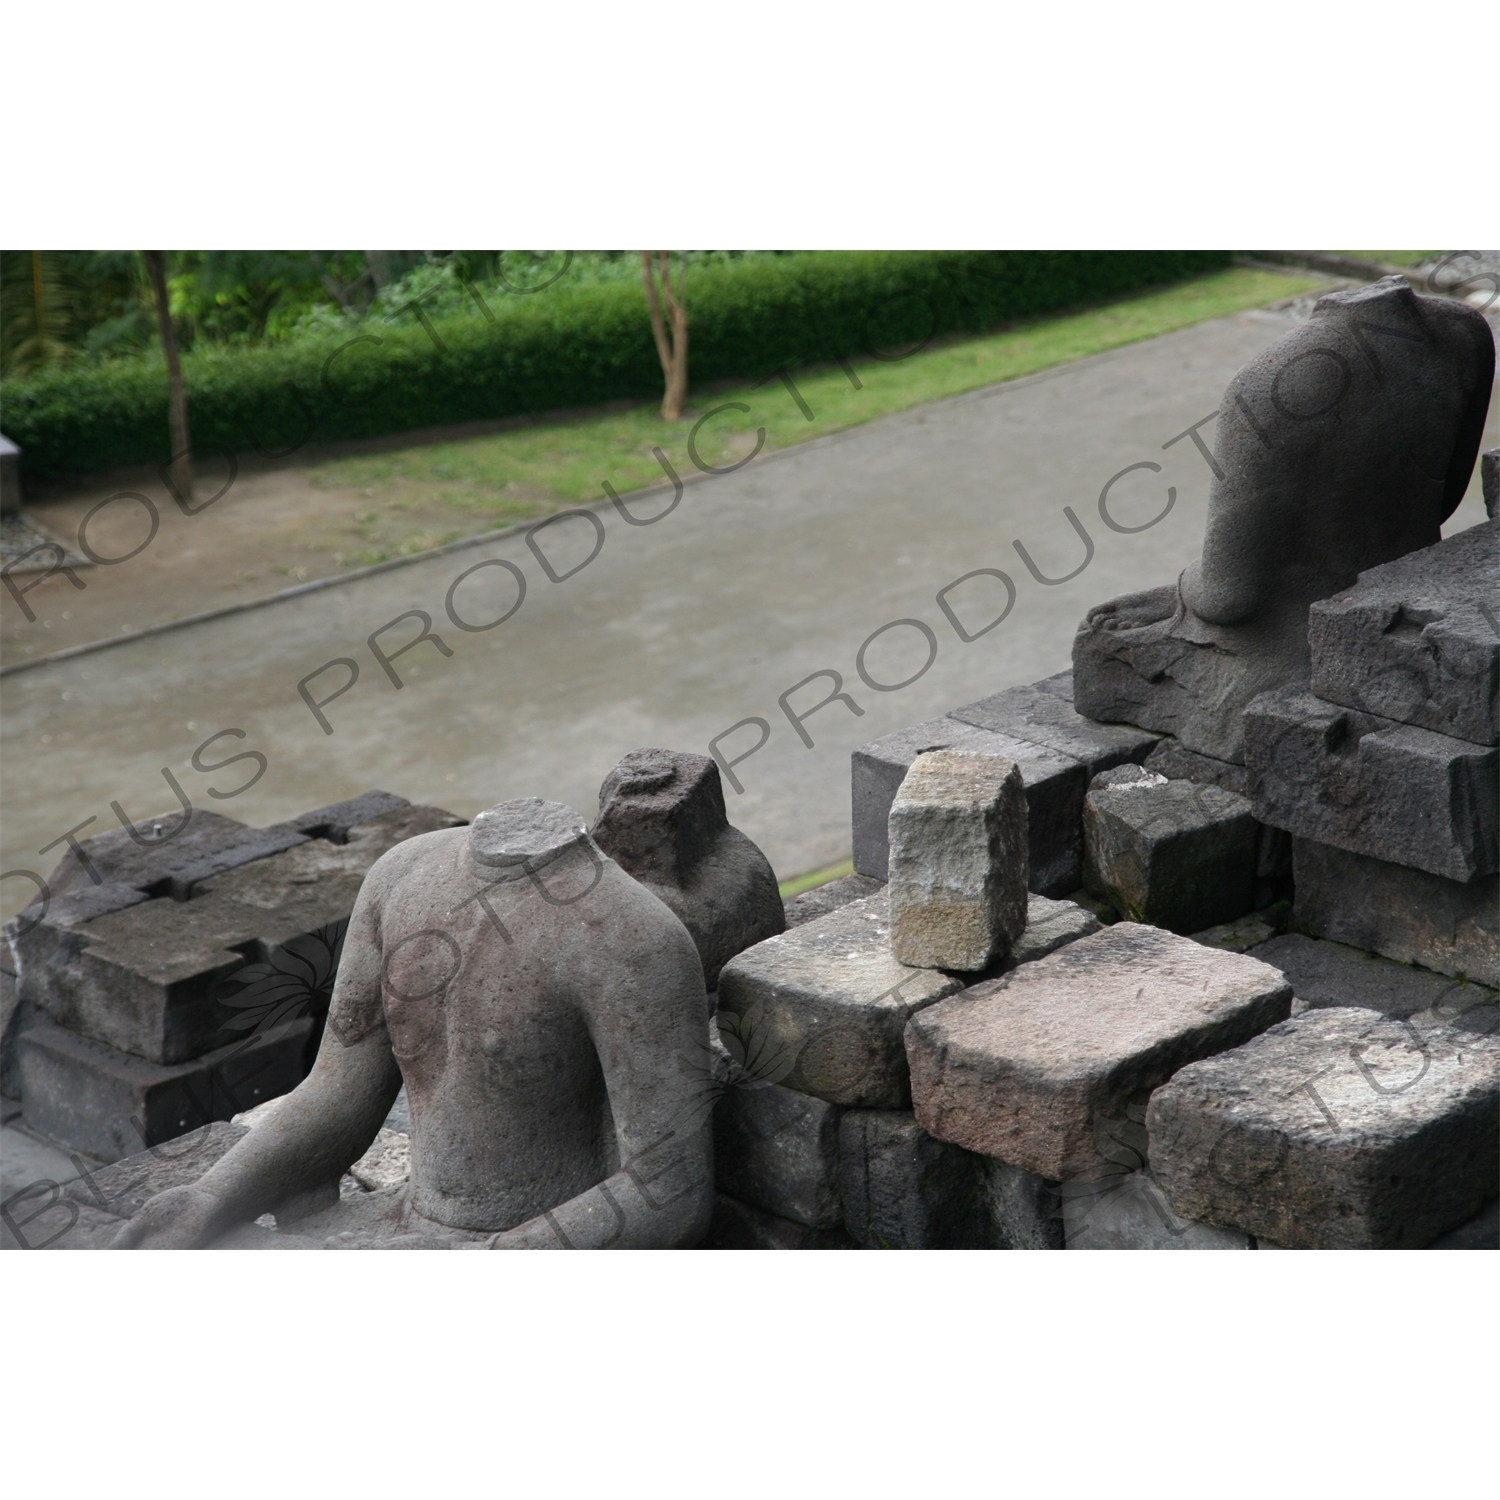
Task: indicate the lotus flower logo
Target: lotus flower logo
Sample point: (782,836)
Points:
(298,977)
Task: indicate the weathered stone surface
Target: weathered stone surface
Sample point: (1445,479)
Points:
(738,1226)
(958,861)
(1337,1129)
(1025,1210)
(121,1189)
(1344,445)
(1177,854)
(1482,1232)
(778,1150)
(1056,749)
(1022,1067)
(1239,936)
(1416,640)
(1404,914)
(1324,974)
(1127,1211)
(902,1190)
(1368,785)
(1176,762)
(103,1101)
(13,1021)
(42,1217)
(163,855)
(822,899)
(1049,925)
(167,980)
(822,1008)
(662,820)
(335,821)
(386,1164)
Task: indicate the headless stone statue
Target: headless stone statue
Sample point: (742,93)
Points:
(1344,445)
(545,1011)
(662,819)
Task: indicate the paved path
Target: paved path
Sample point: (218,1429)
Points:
(674,632)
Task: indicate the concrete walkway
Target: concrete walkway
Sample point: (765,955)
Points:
(674,632)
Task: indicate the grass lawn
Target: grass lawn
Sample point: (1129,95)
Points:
(444,490)
(1388,257)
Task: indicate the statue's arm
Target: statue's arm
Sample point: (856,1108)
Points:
(324,1125)
(650,1029)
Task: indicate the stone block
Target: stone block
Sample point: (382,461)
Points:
(1482,1232)
(163,980)
(334,822)
(1127,1211)
(822,1008)
(164,855)
(1324,974)
(1021,1067)
(958,868)
(1176,854)
(1239,936)
(1335,1130)
(1025,1210)
(1402,913)
(1057,750)
(1416,640)
(386,1164)
(822,899)
(1172,759)
(1372,786)
(778,1150)
(738,1226)
(902,1190)
(1049,925)
(104,1102)
(42,1217)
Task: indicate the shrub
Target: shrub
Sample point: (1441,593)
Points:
(568,346)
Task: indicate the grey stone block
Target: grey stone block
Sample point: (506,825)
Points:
(1054,797)
(123,1188)
(1239,936)
(1127,1211)
(163,980)
(1049,925)
(334,821)
(822,1008)
(1404,914)
(1177,854)
(1482,1232)
(1056,748)
(738,1226)
(957,892)
(1024,1066)
(1337,1129)
(822,899)
(1025,1210)
(1172,759)
(778,1150)
(42,1217)
(1416,641)
(1324,974)
(104,1102)
(902,1190)
(662,820)
(1371,786)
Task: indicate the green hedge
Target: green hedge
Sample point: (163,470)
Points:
(566,346)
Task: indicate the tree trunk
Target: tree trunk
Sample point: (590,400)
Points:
(671,344)
(181,469)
